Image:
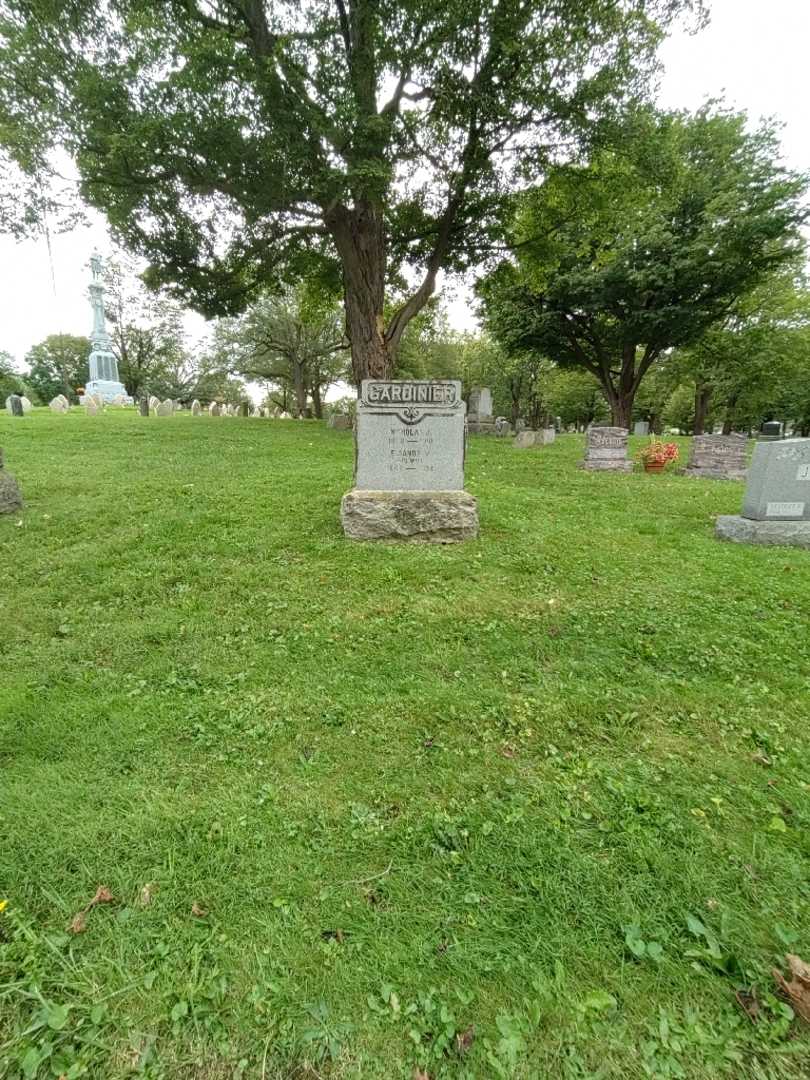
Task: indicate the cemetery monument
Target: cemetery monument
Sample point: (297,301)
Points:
(104,382)
(776,507)
(480,420)
(409,464)
(718,457)
(14,405)
(606,450)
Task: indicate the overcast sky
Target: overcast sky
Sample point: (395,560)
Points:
(753,53)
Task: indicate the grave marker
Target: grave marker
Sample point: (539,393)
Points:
(718,457)
(606,450)
(409,464)
(776,506)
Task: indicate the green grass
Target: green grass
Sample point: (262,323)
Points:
(534,806)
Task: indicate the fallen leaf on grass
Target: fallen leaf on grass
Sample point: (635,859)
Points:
(747,1000)
(507,751)
(198,911)
(78,924)
(146,895)
(464,1040)
(760,759)
(797,990)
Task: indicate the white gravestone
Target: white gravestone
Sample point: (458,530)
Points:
(166,408)
(606,450)
(409,464)
(196,408)
(776,506)
(59,404)
(213,409)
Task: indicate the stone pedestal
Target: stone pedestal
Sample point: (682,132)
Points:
(340,422)
(438,517)
(480,424)
(741,530)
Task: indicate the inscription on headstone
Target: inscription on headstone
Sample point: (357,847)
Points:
(606,450)
(718,457)
(410,436)
(409,464)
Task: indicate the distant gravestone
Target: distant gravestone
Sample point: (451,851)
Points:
(120,400)
(521,425)
(244,409)
(641,427)
(59,404)
(213,409)
(143,406)
(409,464)
(165,408)
(480,420)
(772,429)
(340,422)
(718,457)
(776,506)
(502,427)
(91,408)
(526,439)
(285,416)
(10,498)
(154,402)
(266,412)
(606,450)
(14,405)
(196,408)
(26,404)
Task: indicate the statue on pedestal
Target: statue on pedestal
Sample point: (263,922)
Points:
(104,379)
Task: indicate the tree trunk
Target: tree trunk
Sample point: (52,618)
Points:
(299,386)
(702,395)
(360,239)
(317,404)
(621,409)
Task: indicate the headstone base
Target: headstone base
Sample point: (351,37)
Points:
(481,425)
(741,530)
(607,465)
(437,517)
(107,391)
(714,474)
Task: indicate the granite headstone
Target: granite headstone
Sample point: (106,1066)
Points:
(606,450)
(718,457)
(409,464)
(776,506)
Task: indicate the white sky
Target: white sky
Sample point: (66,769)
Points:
(754,54)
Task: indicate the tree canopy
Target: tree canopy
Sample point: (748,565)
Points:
(238,143)
(58,365)
(645,246)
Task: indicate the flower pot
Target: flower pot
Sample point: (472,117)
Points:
(654,466)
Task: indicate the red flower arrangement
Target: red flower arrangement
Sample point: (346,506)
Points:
(658,454)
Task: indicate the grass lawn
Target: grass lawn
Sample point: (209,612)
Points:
(535,806)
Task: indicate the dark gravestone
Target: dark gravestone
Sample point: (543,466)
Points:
(718,457)
(10,498)
(772,429)
(144,406)
(243,408)
(15,401)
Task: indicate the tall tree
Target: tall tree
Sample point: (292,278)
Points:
(58,365)
(11,382)
(645,246)
(146,329)
(237,142)
(292,342)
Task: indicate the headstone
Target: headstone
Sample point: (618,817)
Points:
(255,412)
(284,416)
(480,420)
(520,425)
(91,407)
(154,402)
(26,404)
(776,506)
(143,405)
(14,405)
(340,422)
(266,412)
(718,457)
(641,427)
(244,408)
(196,408)
(213,409)
(119,400)
(526,439)
(606,450)
(165,408)
(59,404)
(502,427)
(10,498)
(772,429)
(409,464)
